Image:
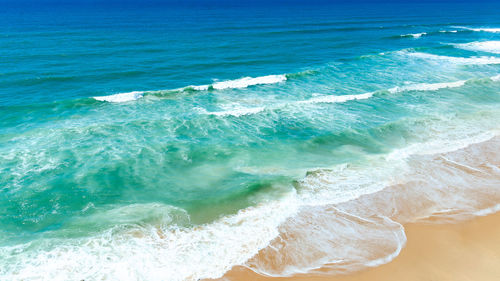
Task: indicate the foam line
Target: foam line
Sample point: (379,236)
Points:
(483,60)
(415,35)
(121,97)
(481,29)
(427,87)
(337,99)
(229,84)
(484,46)
(238,112)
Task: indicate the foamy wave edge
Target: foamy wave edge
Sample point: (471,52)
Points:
(482,60)
(345,98)
(482,46)
(347,206)
(481,29)
(415,35)
(406,186)
(229,84)
(122,97)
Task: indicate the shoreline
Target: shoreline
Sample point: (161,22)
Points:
(434,226)
(468,250)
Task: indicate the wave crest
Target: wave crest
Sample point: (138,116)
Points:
(484,46)
(229,84)
(483,60)
(122,97)
(415,35)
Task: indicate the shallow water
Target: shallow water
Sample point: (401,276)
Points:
(140,140)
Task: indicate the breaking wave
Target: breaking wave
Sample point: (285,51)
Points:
(483,46)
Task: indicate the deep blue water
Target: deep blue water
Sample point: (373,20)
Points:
(52,53)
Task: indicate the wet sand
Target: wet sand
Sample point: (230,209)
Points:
(467,250)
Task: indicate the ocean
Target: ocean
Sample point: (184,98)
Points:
(174,140)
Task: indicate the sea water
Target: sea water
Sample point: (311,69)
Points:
(172,141)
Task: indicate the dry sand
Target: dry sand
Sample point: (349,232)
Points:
(468,250)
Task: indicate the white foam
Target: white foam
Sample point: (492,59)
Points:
(339,240)
(229,84)
(483,29)
(483,60)
(337,99)
(239,112)
(197,88)
(448,31)
(484,46)
(352,234)
(239,83)
(248,81)
(345,98)
(152,253)
(440,146)
(348,237)
(415,35)
(122,97)
(427,86)
(321,99)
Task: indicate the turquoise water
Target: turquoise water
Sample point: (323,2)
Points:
(137,141)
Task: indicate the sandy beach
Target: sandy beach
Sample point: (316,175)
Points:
(468,250)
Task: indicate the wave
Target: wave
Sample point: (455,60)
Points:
(337,99)
(273,79)
(481,29)
(428,33)
(238,112)
(427,86)
(483,46)
(415,35)
(248,81)
(367,231)
(122,97)
(345,98)
(229,84)
(483,60)
(356,226)
(153,252)
(240,83)
(321,99)
(356,210)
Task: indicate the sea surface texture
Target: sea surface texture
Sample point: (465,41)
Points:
(175,140)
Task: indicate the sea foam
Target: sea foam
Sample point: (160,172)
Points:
(229,84)
(249,81)
(345,98)
(415,35)
(427,86)
(238,112)
(405,188)
(483,29)
(483,60)
(152,253)
(337,99)
(484,46)
(357,211)
(122,97)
